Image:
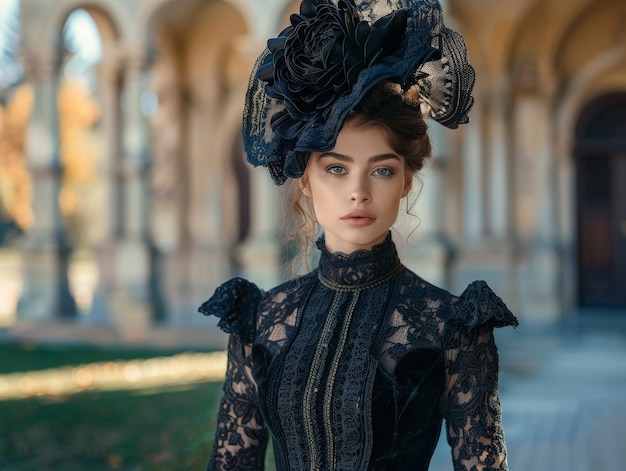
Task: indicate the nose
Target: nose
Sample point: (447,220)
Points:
(360,193)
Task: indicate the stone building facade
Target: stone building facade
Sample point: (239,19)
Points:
(530,196)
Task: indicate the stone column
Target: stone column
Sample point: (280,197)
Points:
(110,128)
(45,289)
(478,258)
(423,241)
(210,200)
(130,305)
(498,170)
(108,71)
(259,255)
(473,182)
(166,193)
(134,148)
(538,264)
(492,256)
(547,251)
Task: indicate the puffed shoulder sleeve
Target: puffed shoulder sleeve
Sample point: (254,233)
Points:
(235,303)
(471,403)
(479,305)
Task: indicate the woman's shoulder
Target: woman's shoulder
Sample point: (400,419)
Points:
(236,302)
(424,294)
(478,304)
(289,287)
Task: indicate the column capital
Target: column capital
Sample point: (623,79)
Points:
(499,97)
(536,78)
(133,58)
(40,64)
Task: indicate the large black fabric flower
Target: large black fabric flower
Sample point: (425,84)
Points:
(318,60)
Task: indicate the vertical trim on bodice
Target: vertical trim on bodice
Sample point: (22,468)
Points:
(330,384)
(323,383)
(313,380)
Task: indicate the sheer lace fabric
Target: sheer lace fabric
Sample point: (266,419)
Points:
(355,366)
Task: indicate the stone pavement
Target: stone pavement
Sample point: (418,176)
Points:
(563,394)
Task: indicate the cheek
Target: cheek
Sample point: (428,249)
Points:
(321,190)
(393,194)
(320,201)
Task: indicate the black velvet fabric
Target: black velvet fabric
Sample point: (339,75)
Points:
(355,366)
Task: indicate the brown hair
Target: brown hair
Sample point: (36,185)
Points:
(398,116)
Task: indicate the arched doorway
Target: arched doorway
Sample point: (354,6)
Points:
(601,201)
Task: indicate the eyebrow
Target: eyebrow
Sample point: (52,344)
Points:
(347,158)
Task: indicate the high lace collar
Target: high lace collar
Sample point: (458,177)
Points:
(361,269)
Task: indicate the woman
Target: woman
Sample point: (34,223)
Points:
(355,365)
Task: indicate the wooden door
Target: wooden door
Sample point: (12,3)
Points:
(601,170)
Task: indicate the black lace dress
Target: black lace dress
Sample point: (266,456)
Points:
(355,365)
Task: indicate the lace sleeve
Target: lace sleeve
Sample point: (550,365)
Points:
(240,435)
(471,404)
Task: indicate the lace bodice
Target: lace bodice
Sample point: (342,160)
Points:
(354,367)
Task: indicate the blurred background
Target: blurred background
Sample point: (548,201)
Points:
(125,199)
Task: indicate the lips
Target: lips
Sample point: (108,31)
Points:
(359,218)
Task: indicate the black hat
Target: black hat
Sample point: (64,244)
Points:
(309,78)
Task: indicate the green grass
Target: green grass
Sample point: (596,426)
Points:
(169,428)
(27,357)
(159,429)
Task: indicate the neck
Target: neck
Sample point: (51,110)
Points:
(359,269)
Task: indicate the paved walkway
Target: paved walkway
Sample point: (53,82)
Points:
(563,393)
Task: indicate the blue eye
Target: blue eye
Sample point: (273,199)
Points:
(383,172)
(335,169)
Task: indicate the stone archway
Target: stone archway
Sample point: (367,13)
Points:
(600,155)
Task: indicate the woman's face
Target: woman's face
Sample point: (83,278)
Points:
(356,188)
